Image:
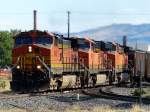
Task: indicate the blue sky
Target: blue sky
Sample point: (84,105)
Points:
(85,14)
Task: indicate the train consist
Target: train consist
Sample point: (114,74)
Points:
(50,61)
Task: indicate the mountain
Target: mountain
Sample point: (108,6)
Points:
(115,32)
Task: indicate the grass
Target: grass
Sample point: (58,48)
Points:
(145,92)
(138,92)
(136,108)
(77,108)
(4,84)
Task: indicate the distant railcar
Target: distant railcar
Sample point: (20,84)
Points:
(137,64)
(147,67)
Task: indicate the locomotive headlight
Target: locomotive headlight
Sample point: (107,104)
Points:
(38,67)
(18,67)
(30,49)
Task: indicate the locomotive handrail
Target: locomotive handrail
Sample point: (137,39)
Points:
(16,63)
(85,68)
(49,70)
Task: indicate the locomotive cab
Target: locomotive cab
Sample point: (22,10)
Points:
(29,45)
(82,47)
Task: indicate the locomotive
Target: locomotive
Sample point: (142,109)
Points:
(49,61)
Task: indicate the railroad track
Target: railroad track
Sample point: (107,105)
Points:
(105,93)
(12,95)
(96,92)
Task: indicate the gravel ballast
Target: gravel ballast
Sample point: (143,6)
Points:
(62,101)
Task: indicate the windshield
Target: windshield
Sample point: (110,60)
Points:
(37,40)
(110,47)
(83,44)
(23,40)
(43,40)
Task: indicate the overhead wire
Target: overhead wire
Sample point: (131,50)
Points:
(75,12)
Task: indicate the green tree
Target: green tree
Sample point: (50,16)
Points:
(6,45)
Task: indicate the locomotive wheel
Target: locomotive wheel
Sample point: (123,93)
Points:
(110,77)
(86,81)
(15,86)
(119,79)
(59,84)
(94,79)
(131,79)
(82,81)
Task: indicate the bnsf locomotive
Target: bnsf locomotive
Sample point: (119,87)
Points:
(45,60)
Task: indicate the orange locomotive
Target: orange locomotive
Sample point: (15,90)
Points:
(37,60)
(92,70)
(118,61)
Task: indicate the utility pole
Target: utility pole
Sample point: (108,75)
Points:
(62,51)
(135,71)
(140,98)
(68,13)
(34,20)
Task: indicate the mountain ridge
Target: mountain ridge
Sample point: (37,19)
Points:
(135,34)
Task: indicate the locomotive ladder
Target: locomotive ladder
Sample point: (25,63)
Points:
(43,63)
(18,59)
(132,72)
(86,71)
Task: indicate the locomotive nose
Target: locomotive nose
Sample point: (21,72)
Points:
(29,60)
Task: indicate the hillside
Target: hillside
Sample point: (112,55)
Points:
(115,32)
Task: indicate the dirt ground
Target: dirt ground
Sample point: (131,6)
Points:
(77,108)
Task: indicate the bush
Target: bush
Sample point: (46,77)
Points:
(2,84)
(137,92)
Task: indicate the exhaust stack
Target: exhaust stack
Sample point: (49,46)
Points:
(34,21)
(125,40)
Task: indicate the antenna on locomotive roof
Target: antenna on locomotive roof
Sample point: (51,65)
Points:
(136,45)
(34,19)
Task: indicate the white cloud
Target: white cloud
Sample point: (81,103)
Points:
(127,11)
(141,20)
